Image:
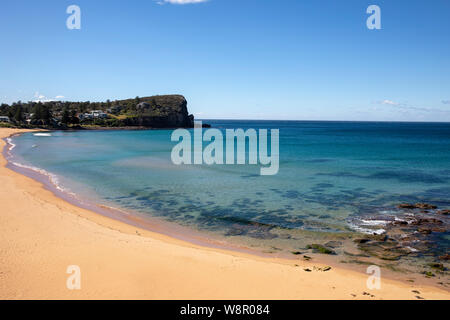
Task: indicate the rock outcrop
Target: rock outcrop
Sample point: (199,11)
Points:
(167,111)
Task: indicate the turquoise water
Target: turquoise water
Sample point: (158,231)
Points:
(332,177)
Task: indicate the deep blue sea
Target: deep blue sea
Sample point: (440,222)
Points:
(333,179)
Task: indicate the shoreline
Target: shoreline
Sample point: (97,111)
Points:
(42,234)
(166,228)
(188,234)
(152,224)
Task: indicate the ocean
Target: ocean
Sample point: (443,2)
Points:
(337,182)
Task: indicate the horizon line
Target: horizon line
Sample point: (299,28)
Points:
(310,120)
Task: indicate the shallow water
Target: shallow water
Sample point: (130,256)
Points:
(335,179)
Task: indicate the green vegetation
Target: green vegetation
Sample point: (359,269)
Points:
(156,111)
(320,249)
(429,274)
(437,266)
(6,125)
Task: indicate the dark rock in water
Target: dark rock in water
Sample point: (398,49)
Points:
(379,237)
(424,230)
(416,206)
(423,221)
(410,238)
(445,257)
(389,250)
(425,206)
(356,254)
(438,266)
(444,212)
(391,256)
(408,235)
(406,206)
(333,244)
(364,240)
(320,248)
(438,229)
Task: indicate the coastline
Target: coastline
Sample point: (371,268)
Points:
(42,234)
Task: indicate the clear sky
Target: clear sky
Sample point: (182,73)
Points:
(247,59)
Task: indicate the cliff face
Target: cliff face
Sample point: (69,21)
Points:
(161,112)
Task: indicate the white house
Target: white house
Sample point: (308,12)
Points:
(4,119)
(93,115)
(99,114)
(83,116)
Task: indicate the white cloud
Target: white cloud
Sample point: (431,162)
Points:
(38,97)
(390,102)
(446,101)
(180,1)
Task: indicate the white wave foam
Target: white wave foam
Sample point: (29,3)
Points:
(10,143)
(373,222)
(42,134)
(408,221)
(52,177)
(365,230)
(54,180)
(388,212)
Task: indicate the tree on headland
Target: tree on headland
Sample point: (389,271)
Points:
(46,114)
(42,114)
(37,112)
(18,116)
(73,117)
(10,113)
(65,116)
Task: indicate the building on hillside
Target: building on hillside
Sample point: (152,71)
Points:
(94,114)
(114,109)
(99,114)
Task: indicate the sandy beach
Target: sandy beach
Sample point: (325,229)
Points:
(41,235)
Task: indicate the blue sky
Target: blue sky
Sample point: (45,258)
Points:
(247,59)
